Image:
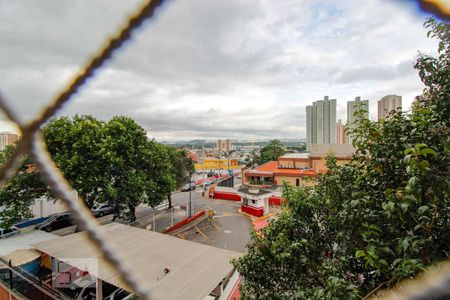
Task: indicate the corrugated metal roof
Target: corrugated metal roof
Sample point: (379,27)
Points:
(24,241)
(21,256)
(195,269)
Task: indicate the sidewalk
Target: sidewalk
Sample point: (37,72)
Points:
(162,219)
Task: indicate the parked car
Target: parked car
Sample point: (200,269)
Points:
(188,187)
(4,233)
(119,294)
(80,293)
(55,222)
(88,291)
(102,210)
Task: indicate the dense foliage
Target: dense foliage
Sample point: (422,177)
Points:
(269,152)
(182,168)
(379,219)
(111,161)
(19,192)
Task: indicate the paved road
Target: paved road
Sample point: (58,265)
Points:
(230,230)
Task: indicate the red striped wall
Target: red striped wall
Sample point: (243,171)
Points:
(257,212)
(226,196)
(184,222)
(275,200)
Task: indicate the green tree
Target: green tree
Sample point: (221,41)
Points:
(272,151)
(103,161)
(182,167)
(161,173)
(81,149)
(370,223)
(20,192)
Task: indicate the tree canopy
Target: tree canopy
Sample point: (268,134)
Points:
(379,219)
(19,192)
(182,167)
(270,152)
(110,161)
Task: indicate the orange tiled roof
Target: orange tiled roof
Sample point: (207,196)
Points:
(271,168)
(268,167)
(295,172)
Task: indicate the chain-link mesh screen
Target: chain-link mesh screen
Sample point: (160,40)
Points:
(31,143)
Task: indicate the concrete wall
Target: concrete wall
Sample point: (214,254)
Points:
(292,180)
(321,163)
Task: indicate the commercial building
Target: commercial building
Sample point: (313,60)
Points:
(7,138)
(213,163)
(341,137)
(387,104)
(321,122)
(297,169)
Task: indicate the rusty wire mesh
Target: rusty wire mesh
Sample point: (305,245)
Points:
(31,143)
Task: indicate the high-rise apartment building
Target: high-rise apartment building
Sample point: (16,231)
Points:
(357,105)
(7,138)
(340,133)
(224,145)
(321,122)
(387,104)
(352,108)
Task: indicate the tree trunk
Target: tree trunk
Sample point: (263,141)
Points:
(169,198)
(132,209)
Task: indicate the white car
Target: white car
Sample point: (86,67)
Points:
(4,233)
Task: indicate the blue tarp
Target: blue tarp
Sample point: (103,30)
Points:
(30,222)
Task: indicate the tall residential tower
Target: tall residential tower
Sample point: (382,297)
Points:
(321,122)
(352,108)
(340,133)
(387,104)
(7,138)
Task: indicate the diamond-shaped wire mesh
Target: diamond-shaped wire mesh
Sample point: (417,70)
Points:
(31,143)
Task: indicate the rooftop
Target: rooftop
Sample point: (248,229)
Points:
(195,269)
(260,192)
(271,168)
(295,155)
(24,241)
(338,150)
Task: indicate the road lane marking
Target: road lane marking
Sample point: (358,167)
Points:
(200,232)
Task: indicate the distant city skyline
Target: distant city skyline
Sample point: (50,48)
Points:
(238,69)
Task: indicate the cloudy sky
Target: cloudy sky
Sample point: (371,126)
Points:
(205,69)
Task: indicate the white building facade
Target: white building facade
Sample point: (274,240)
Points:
(321,122)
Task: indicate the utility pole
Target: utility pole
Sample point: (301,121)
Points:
(190,196)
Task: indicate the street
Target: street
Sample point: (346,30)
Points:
(230,230)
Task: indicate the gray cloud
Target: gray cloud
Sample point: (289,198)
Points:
(205,68)
(373,72)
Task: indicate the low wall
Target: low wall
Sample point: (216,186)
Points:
(275,200)
(226,196)
(184,222)
(257,212)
